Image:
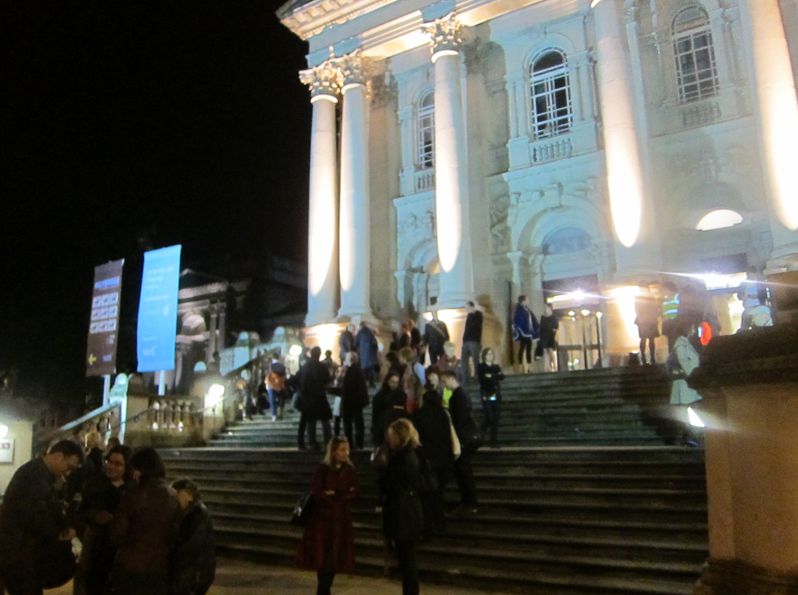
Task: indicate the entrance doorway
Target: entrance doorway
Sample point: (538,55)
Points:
(578,308)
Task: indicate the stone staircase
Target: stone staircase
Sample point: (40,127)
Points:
(583,497)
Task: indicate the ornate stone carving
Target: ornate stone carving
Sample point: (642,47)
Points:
(324,79)
(352,67)
(500,232)
(444,33)
(384,91)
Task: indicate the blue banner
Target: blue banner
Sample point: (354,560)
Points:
(157,326)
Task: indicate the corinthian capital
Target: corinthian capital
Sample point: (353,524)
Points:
(353,68)
(324,79)
(444,34)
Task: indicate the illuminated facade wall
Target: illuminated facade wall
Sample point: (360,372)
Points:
(594,137)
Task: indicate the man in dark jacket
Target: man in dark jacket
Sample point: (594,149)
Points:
(33,518)
(313,380)
(470,441)
(346,342)
(354,398)
(472,339)
(435,336)
(192,562)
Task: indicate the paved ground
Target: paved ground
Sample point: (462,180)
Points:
(242,578)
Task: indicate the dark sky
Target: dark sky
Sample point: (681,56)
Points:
(182,122)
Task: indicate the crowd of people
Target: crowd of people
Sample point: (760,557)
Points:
(132,532)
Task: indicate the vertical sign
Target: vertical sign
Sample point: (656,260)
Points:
(157,326)
(104,322)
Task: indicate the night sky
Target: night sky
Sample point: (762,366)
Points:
(136,125)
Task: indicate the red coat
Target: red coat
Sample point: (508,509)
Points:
(330,524)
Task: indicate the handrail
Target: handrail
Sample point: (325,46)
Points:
(81,420)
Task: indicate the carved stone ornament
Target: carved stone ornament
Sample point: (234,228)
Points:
(324,79)
(352,67)
(444,33)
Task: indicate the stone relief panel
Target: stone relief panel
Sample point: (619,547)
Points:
(415,224)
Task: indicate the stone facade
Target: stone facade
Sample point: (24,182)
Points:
(543,147)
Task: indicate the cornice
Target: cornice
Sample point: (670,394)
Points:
(312,18)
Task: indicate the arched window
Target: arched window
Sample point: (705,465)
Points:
(719,219)
(566,241)
(696,70)
(551,95)
(426,131)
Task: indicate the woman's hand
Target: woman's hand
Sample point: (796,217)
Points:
(330,492)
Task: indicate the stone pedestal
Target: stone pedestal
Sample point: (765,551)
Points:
(749,382)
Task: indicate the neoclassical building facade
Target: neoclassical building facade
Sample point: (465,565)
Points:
(564,149)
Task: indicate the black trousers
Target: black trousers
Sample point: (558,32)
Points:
(408,567)
(20,580)
(354,418)
(491,423)
(464,474)
(526,345)
(325,582)
(434,504)
(325,425)
(300,435)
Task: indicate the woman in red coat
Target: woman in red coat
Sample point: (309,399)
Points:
(328,545)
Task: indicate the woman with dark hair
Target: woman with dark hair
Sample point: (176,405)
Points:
(390,393)
(142,529)
(99,500)
(490,376)
(328,544)
(525,329)
(402,517)
(192,563)
(435,433)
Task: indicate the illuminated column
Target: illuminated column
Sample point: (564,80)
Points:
(451,203)
(354,223)
(621,145)
(324,82)
(778,111)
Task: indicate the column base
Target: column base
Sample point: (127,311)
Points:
(325,336)
(356,314)
(319,317)
(734,577)
(454,301)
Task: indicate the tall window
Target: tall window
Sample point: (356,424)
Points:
(696,70)
(551,95)
(426,131)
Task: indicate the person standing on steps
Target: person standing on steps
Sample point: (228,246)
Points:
(346,342)
(681,363)
(390,395)
(328,542)
(436,334)
(547,343)
(470,441)
(192,562)
(366,344)
(525,330)
(472,339)
(402,515)
(647,311)
(276,387)
(313,380)
(354,398)
(670,311)
(490,376)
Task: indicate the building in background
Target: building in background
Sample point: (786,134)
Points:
(563,149)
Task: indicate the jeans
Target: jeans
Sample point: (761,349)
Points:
(464,474)
(354,417)
(311,426)
(471,349)
(408,567)
(492,410)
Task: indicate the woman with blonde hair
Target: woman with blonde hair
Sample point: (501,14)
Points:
(402,517)
(328,544)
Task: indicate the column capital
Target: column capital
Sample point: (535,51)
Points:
(352,67)
(444,34)
(323,80)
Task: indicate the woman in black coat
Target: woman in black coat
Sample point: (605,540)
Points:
(402,517)
(192,562)
(354,398)
(435,433)
(390,393)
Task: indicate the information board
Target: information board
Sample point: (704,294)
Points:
(104,320)
(157,323)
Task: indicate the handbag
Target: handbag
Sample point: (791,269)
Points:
(303,510)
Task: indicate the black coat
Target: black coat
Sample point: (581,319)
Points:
(402,517)
(192,562)
(383,400)
(432,423)
(435,335)
(32,516)
(462,420)
(313,380)
(354,392)
(386,419)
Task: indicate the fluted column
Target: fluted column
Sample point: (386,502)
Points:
(621,145)
(354,223)
(777,114)
(324,83)
(451,203)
